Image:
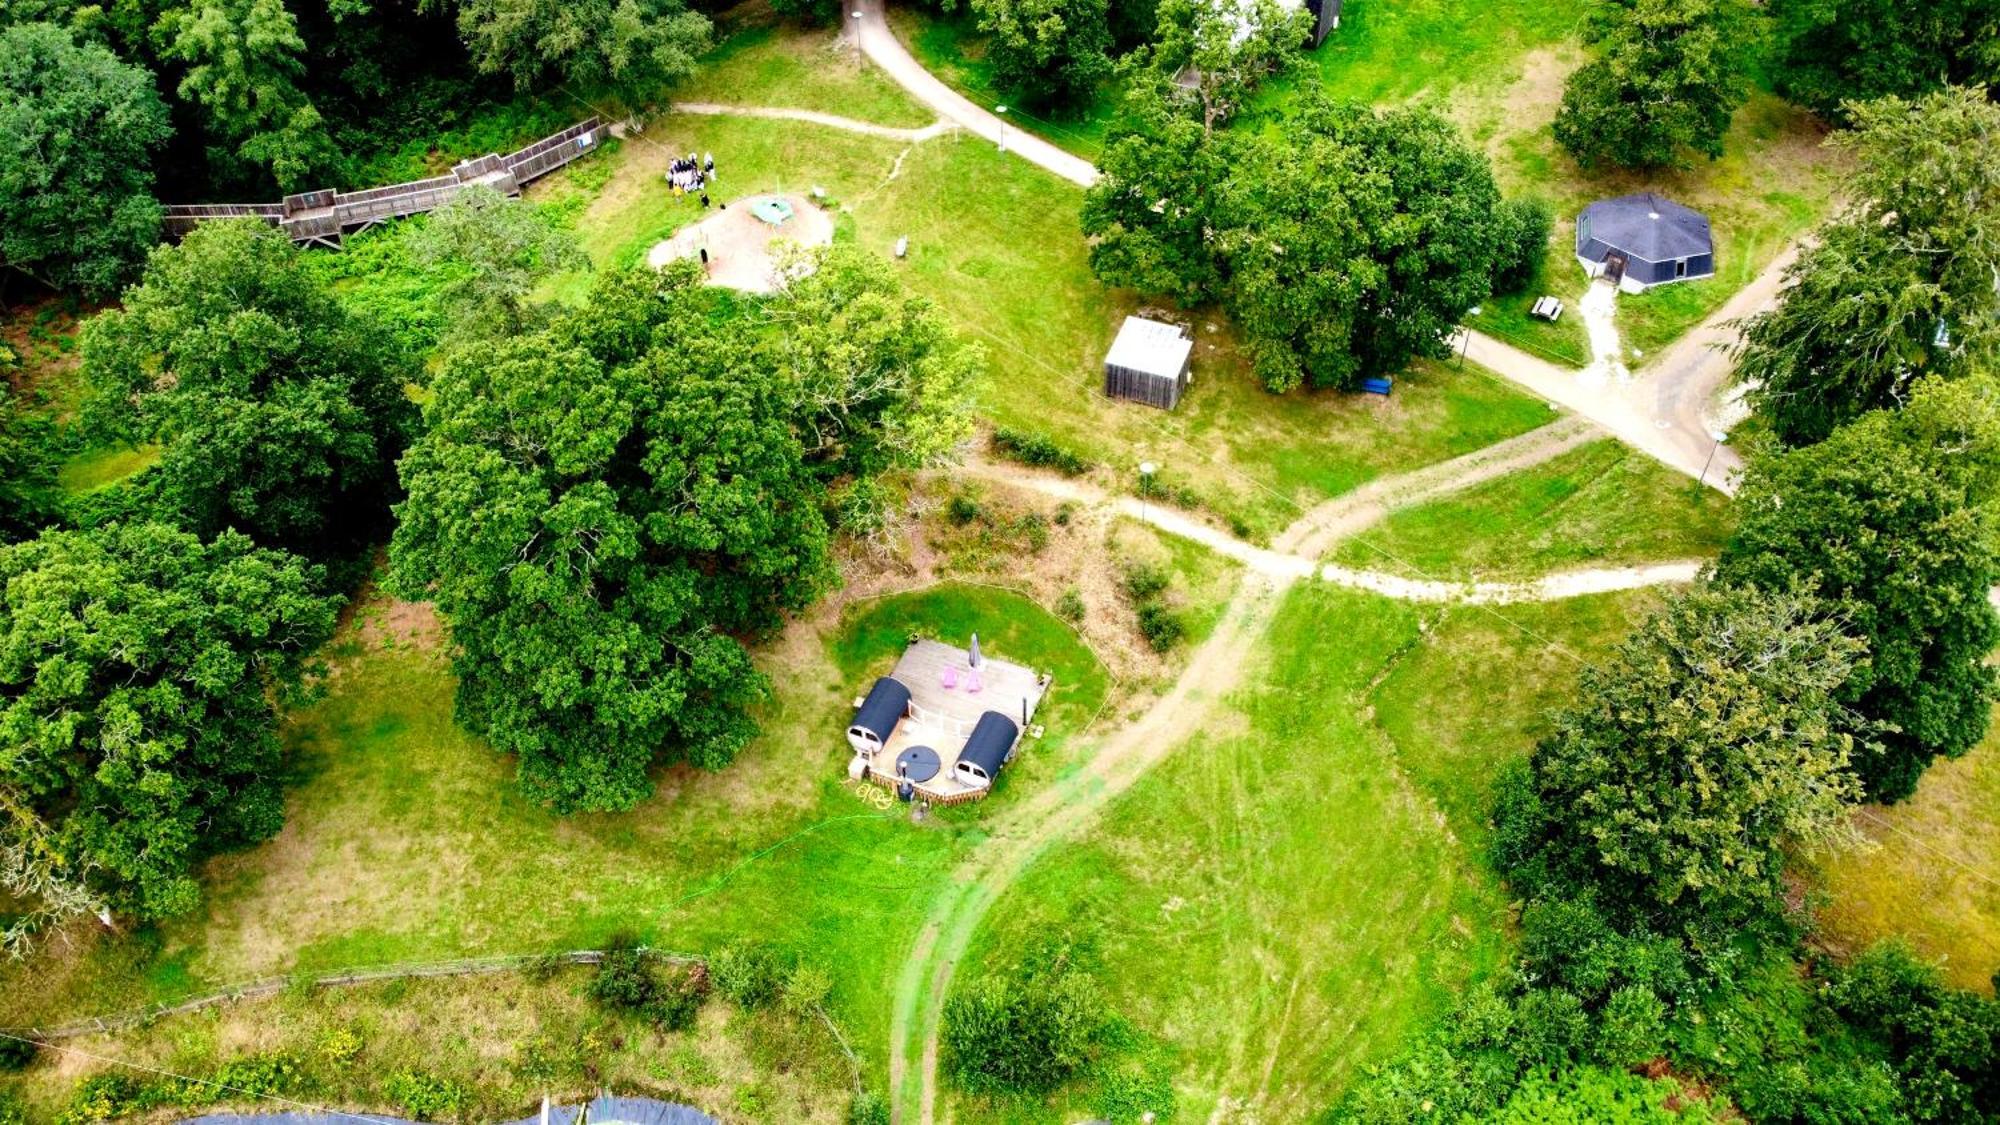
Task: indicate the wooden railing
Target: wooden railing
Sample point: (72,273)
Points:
(323,216)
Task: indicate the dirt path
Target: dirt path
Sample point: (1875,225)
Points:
(1216,669)
(1025,832)
(1346,516)
(830,120)
(886,51)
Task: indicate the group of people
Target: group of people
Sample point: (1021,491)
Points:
(688,175)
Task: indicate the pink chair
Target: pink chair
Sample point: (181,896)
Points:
(973,683)
(950,678)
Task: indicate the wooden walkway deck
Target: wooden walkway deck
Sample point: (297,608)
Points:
(322,217)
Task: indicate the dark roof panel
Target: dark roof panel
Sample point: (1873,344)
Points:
(1647,226)
(888,701)
(991,741)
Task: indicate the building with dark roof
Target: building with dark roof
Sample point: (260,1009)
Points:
(989,747)
(1642,240)
(875,720)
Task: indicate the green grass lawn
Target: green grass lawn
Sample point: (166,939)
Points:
(104,466)
(1475,694)
(763,62)
(1924,871)
(994,242)
(1275,905)
(405,838)
(951,47)
(1600,504)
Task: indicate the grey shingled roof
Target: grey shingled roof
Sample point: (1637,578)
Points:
(1650,227)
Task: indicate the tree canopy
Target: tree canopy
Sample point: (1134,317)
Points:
(1711,740)
(77,133)
(243,70)
(493,252)
(279,410)
(1901,284)
(1832,52)
(1893,519)
(601,509)
(1344,246)
(1668,76)
(138,672)
(587,42)
(1047,52)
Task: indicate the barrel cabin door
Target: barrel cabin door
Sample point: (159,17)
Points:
(1614,268)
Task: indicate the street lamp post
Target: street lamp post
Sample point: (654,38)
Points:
(1146,471)
(857,37)
(1719,437)
(1002,111)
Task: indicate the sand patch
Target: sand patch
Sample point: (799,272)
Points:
(742,248)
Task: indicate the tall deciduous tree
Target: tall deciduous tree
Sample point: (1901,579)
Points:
(138,672)
(1047,52)
(1831,52)
(1902,284)
(77,133)
(280,412)
(1711,740)
(1893,518)
(601,509)
(244,71)
(1356,242)
(493,251)
(1667,79)
(1217,52)
(587,42)
(1150,215)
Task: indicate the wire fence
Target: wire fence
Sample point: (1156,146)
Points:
(368,974)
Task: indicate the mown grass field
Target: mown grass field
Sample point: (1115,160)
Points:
(406,840)
(760,61)
(1926,871)
(1498,72)
(994,242)
(1601,504)
(1279,902)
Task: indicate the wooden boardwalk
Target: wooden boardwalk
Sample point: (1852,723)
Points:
(322,217)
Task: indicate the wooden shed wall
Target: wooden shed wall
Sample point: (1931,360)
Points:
(1144,386)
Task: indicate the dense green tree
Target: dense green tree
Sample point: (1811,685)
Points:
(1524,226)
(1668,76)
(1831,52)
(1046,52)
(1150,214)
(27,468)
(1943,1043)
(280,411)
(586,42)
(493,251)
(1355,242)
(1217,52)
(139,668)
(877,379)
(1901,284)
(1712,739)
(1028,1031)
(1894,519)
(244,69)
(77,132)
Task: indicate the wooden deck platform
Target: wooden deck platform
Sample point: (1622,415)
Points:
(941,718)
(322,217)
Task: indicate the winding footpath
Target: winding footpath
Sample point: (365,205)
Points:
(815,117)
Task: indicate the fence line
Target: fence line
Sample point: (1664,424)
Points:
(368,974)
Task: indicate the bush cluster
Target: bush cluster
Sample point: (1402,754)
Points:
(1039,450)
(1146,585)
(632,980)
(427,1097)
(1027,1031)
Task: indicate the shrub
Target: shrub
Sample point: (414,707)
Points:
(1130,1095)
(1040,451)
(1034,531)
(1025,1035)
(806,989)
(16,1054)
(868,1108)
(1069,606)
(629,980)
(1162,627)
(962,509)
(1144,582)
(747,974)
(259,1076)
(13,1113)
(1632,1027)
(427,1097)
